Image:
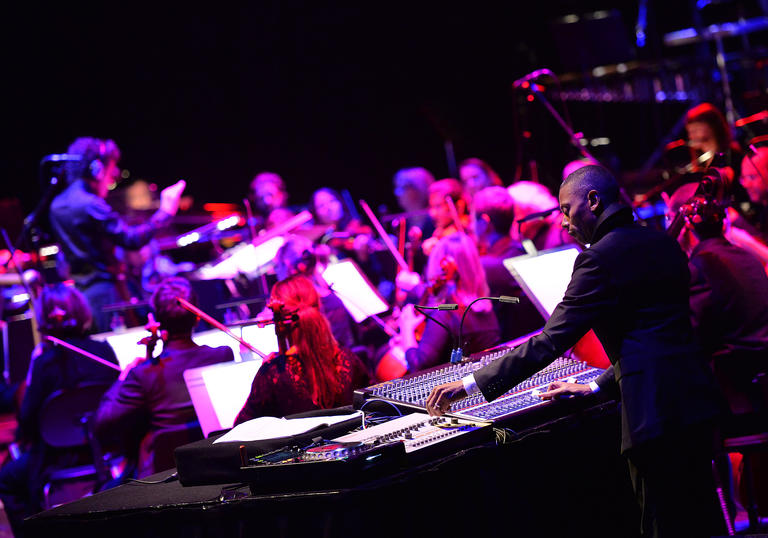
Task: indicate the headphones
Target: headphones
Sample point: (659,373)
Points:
(96,166)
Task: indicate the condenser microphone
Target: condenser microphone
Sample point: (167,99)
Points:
(457,354)
(538,215)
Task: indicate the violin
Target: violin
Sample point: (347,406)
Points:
(393,363)
(155,335)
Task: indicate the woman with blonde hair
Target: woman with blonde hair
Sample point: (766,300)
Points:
(315,372)
(454,274)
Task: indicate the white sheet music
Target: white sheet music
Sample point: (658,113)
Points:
(273,427)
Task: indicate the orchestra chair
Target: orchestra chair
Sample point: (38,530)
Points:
(164,443)
(748,442)
(65,426)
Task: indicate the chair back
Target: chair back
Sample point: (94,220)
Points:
(165,442)
(65,414)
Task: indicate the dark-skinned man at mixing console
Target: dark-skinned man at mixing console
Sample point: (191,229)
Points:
(631,286)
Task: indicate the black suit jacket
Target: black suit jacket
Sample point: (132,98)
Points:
(631,287)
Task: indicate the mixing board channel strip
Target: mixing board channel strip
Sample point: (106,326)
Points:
(411,392)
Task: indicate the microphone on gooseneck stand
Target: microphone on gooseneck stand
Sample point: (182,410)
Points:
(446,306)
(457,354)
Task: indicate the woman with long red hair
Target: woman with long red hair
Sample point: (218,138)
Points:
(315,372)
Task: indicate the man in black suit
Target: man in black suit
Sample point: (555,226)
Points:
(631,286)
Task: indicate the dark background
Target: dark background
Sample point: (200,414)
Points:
(338,96)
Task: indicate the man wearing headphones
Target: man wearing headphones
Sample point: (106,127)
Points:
(87,228)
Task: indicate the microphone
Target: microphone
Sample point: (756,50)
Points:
(61,157)
(539,215)
(445,306)
(533,75)
(457,354)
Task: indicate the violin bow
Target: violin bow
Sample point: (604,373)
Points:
(384,236)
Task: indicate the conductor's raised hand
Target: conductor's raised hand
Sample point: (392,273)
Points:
(442,396)
(170,196)
(561,389)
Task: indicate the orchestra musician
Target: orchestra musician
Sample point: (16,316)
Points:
(708,135)
(476,174)
(151,396)
(266,193)
(412,192)
(754,179)
(454,274)
(448,209)
(298,256)
(316,372)
(729,314)
(631,286)
(63,313)
(545,232)
(494,218)
(88,229)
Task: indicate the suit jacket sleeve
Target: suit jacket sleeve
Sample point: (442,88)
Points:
(112,225)
(589,297)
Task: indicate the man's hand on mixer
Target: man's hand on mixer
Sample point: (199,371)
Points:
(561,389)
(442,396)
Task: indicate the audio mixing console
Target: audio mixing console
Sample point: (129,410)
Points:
(411,392)
(364,454)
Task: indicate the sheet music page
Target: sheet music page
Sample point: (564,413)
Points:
(273,427)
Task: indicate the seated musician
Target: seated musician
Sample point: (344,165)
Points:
(545,232)
(476,174)
(315,372)
(494,217)
(63,313)
(88,229)
(298,256)
(729,314)
(448,209)
(455,274)
(754,179)
(151,395)
(266,194)
(708,135)
(412,192)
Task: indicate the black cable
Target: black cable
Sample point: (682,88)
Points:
(170,478)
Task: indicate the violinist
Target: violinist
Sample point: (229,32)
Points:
(448,209)
(298,256)
(347,237)
(494,218)
(315,372)
(62,312)
(476,175)
(151,395)
(454,275)
(266,194)
(412,192)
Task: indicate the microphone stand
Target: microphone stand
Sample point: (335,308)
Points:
(457,354)
(574,138)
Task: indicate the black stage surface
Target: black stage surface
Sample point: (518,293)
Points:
(563,479)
